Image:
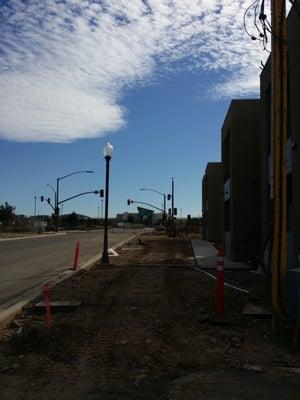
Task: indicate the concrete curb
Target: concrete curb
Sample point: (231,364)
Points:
(33,236)
(10,313)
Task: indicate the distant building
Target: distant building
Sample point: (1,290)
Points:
(142,216)
(212,190)
(127,217)
(241,180)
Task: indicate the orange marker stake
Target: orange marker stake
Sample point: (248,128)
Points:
(75,264)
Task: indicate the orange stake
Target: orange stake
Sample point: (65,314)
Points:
(75,264)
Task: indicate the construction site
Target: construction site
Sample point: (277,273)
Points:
(145,327)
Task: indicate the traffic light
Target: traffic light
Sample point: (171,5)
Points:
(48,200)
(169,197)
(42,198)
(128,202)
(101,192)
(169,211)
(175,211)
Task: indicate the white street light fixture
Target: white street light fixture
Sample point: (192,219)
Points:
(107,153)
(107,150)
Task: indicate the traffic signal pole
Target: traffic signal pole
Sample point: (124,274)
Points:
(172,199)
(280,129)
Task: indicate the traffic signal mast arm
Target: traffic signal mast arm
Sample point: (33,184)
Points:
(147,204)
(77,195)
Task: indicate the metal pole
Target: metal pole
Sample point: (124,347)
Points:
(105,258)
(101,208)
(35,206)
(172,199)
(56,205)
(98,212)
(280,127)
(164,204)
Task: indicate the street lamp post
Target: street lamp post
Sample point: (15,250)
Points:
(101,209)
(53,190)
(57,193)
(35,206)
(172,199)
(107,153)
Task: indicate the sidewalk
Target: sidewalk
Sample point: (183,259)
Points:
(206,256)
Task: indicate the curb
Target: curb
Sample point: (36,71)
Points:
(33,236)
(10,313)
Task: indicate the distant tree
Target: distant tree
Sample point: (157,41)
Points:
(72,219)
(130,219)
(7,212)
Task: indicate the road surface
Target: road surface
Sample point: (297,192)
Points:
(27,263)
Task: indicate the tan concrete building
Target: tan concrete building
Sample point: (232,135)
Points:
(212,184)
(241,180)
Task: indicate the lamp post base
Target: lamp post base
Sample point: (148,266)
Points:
(105,258)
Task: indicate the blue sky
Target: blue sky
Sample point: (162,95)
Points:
(154,78)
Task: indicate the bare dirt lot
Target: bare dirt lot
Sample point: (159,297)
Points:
(143,331)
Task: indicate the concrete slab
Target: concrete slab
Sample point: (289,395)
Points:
(251,310)
(206,256)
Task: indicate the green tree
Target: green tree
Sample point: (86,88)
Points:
(7,212)
(72,220)
(130,219)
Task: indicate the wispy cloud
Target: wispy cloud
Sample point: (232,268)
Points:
(64,65)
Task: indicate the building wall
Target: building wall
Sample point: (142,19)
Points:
(212,202)
(241,179)
(293,148)
(294,88)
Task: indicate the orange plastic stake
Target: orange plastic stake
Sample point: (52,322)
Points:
(76,256)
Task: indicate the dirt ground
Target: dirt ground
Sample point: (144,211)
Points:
(143,331)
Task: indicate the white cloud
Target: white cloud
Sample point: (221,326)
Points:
(64,65)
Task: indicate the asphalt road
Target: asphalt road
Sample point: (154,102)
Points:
(27,263)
